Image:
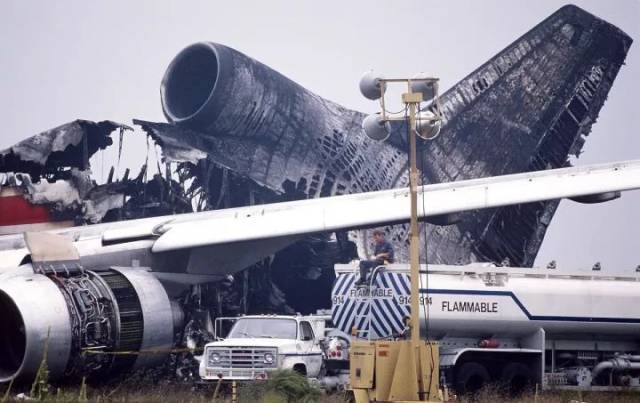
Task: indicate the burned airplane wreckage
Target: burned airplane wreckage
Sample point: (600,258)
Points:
(240,133)
(46,182)
(548,85)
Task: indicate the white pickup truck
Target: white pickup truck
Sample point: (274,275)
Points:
(259,344)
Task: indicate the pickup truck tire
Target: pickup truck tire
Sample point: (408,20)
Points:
(516,378)
(301,369)
(471,377)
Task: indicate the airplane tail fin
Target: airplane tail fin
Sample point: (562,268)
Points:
(528,108)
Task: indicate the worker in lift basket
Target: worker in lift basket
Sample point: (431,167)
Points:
(382,254)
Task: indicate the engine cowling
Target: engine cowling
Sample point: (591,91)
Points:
(78,319)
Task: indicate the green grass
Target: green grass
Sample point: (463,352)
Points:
(285,387)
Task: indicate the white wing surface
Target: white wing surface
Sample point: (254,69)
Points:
(390,206)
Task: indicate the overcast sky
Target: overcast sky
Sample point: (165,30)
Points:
(101,60)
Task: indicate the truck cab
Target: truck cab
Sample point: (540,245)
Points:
(259,344)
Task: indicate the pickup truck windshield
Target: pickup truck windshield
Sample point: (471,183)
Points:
(264,327)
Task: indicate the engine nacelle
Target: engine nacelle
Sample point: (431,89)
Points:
(79,319)
(273,129)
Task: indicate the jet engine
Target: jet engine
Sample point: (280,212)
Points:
(261,124)
(79,320)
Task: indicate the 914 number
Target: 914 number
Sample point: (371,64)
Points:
(406,300)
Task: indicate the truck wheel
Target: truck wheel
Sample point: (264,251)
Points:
(300,369)
(471,377)
(516,377)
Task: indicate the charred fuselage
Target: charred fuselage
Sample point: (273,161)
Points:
(537,100)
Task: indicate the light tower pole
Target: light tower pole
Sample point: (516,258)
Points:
(426,125)
(413,99)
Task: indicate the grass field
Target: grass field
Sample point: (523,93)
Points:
(172,394)
(286,387)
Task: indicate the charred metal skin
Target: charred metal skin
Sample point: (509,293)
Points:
(47,182)
(537,99)
(78,318)
(271,128)
(68,145)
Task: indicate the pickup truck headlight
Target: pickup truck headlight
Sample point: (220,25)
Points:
(214,357)
(268,358)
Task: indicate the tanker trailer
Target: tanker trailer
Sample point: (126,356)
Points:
(515,327)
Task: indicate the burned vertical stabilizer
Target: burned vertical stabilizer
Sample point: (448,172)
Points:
(526,109)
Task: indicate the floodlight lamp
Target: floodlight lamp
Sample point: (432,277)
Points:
(428,125)
(427,88)
(375,128)
(371,86)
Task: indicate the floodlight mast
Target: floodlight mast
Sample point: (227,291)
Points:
(412,100)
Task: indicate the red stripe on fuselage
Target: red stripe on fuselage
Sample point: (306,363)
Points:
(16,210)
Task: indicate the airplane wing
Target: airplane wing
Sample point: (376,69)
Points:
(228,241)
(225,241)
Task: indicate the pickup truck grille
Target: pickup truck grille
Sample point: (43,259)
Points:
(240,357)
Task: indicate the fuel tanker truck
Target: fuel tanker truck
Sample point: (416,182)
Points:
(518,327)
